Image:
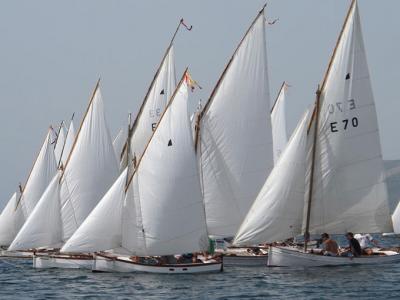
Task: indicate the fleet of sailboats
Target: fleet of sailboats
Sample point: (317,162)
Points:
(156,197)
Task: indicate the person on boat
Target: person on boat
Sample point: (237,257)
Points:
(354,248)
(366,241)
(330,246)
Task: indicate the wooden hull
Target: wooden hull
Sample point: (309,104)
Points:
(62,261)
(103,263)
(292,257)
(245,260)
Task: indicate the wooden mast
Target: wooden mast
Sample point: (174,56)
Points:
(80,127)
(315,117)
(136,121)
(277,97)
(211,98)
(155,130)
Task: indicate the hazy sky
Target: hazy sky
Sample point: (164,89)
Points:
(52,53)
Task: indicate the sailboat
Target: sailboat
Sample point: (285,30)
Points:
(278,122)
(159,211)
(234,137)
(23,202)
(341,161)
(89,171)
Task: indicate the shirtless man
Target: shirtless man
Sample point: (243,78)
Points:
(330,247)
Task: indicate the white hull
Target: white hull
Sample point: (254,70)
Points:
(246,260)
(62,262)
(16,254)
(292,257)
(125,265)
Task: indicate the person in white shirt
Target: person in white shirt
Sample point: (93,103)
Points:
(366,242)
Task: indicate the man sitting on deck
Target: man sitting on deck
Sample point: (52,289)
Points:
(330,247)
(354,248)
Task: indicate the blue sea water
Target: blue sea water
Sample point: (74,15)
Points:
(18,280)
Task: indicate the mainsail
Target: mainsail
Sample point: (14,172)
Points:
(41,174)
(90,169)
(348,188)
(234,140)
(277,212)
(278,122)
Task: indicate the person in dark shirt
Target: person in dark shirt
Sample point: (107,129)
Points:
(354,246)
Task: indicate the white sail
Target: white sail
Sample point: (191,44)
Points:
(349,190)
(154,103)
(43,227)
(41,174)
(69,141)
(235,146)
(90,170)
(58,149)
(277,212)
(11,218)
(278,122)
(164,201)
(96,234)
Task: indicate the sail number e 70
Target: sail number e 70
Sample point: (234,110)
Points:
(346,123)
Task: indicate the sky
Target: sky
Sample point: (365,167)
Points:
(52,53)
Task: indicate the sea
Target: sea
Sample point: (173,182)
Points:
(18,280)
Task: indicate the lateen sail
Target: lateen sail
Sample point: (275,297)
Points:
(164,201)
(277,212)
(154,103)
(278,122)
(90,170)
(42,172)
(349,190)
(235,145)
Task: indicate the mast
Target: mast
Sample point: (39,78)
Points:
(277,97)
(80,127)
(128,148)
(210,99)
(135,122)
(148,143)
(315,117)
(314,146)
